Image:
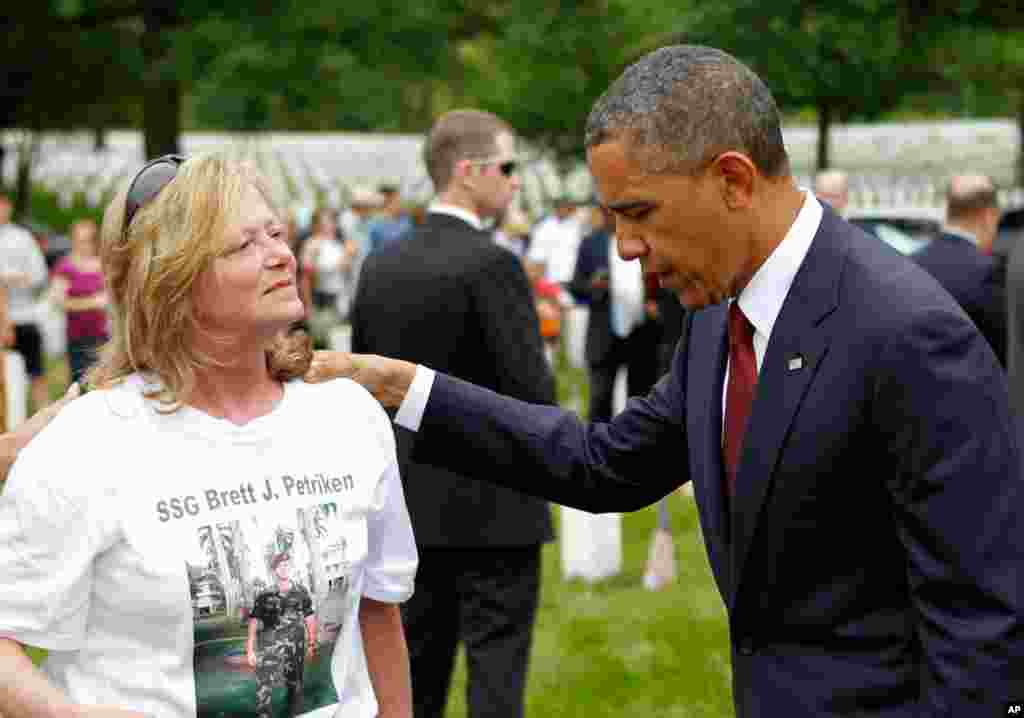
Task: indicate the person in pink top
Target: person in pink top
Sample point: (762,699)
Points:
(78,287)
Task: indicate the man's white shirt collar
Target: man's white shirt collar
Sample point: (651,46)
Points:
(459,213)
(762,299)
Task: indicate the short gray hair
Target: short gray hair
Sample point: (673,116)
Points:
(970,193)
(683,105)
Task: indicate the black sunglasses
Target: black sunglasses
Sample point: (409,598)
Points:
(147,184)
(507,168)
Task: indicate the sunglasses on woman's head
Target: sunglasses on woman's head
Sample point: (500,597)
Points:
(153,177)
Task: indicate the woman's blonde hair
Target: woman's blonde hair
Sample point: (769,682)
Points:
(150,269)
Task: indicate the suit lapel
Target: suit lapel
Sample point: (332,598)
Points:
(704,428)
(798,344)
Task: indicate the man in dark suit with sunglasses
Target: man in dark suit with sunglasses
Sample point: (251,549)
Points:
(448,296)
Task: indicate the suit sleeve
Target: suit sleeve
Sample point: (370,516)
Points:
(956,497)
(579,285)
(505,307)
(992,317)
(358,340)
(587,265)
(624,465)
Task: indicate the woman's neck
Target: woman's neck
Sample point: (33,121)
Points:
(239,393)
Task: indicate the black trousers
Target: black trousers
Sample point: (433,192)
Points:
(82,355)
(639,354)
(486,599)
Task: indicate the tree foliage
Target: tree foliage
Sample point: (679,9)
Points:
(388,66)
(851,60)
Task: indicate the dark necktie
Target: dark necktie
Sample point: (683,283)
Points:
(740,393)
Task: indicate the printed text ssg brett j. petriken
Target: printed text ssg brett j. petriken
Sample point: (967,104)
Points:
(274,488)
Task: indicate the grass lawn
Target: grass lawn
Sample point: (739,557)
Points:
(614,649)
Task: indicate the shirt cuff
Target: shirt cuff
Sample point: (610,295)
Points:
(410,413)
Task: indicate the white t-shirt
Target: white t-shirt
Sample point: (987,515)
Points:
(331,279)
(556,242)
(133,544)
(20,254)
(330,276)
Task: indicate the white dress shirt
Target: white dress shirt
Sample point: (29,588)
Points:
(761,300)
(626,292)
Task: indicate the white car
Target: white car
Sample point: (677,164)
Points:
(906,229)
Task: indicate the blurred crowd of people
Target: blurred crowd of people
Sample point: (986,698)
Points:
(568,255)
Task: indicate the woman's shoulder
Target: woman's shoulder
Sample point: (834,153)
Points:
(84,449)
(103,408)
(343,400)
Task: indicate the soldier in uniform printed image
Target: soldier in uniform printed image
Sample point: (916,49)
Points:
(282,636)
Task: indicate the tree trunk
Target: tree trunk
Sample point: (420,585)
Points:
(242,561)
(824,123)
(316,567)
(23,182)
(223,571)
(161,94)
(1020,136)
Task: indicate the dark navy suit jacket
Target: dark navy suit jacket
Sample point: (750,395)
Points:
(591,258)
(973,280)
(871,561)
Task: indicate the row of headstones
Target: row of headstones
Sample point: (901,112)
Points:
(308,173)
(917,190)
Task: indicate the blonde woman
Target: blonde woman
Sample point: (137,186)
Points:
(138,569)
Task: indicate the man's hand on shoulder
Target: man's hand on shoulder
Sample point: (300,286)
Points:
(387,379)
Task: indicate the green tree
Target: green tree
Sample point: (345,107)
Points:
(547,65)
(987,66)
(848,60)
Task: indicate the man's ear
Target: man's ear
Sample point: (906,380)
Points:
(462,170)
(738,176)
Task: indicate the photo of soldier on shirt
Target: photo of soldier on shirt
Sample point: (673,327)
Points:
(282,636)
(269,594)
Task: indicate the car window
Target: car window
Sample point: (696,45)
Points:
(900,240)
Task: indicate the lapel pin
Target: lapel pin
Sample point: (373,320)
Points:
(796,363)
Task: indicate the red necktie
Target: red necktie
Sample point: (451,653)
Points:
(740,394)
